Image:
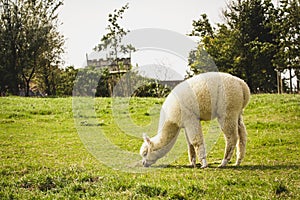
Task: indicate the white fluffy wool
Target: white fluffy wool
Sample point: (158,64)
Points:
(204,97)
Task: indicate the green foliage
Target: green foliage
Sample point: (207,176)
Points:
(202,27)
(152,89)
(254,41)
(30,44)
(92,81)
(112,41)
(87,81)
(200,62)
(287,28)
(65,84)
(42,156)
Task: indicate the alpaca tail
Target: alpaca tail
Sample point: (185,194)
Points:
(246,94)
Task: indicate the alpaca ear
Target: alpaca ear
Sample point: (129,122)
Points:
(146,139)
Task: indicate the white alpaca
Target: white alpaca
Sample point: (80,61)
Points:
(204,97)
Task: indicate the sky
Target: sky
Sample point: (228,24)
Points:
(84,22)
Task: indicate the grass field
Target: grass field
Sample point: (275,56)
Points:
(42,156)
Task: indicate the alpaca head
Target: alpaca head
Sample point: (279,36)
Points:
(147,153)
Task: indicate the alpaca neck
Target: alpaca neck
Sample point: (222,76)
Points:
(166,138)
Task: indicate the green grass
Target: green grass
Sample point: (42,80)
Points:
(42,156)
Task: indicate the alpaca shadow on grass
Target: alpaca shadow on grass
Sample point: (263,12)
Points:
(265,167)
(231,167)
(170,166)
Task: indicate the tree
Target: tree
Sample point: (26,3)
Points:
(152,88)
(252,20)
(30,40)
(9,34)
(113,44)
(66,80)
(199,59)
(112,41)
(42,45)
(202,27)
(93,81)
(245,45)
(287,29)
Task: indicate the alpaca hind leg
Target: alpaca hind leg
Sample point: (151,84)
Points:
(230,129)
(241,146)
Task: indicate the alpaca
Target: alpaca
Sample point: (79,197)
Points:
(203,97)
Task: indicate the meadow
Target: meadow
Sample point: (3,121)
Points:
(43,157)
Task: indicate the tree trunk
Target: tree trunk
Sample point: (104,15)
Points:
(14,84)
(27,80)
(48,89)
(279,83)
(298,85)
(291,81)
(27,88)
(53,85)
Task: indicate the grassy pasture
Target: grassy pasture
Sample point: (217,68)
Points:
(42,156)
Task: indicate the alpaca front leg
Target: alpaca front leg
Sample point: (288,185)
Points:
(200,149)
(191,150)
(192,155)
(195,138)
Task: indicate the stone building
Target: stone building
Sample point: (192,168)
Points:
(121,65)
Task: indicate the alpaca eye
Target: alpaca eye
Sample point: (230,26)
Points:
(145,153)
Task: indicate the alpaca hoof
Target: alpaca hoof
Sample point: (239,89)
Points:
(193,163)
(223,164)
(238,163)
(204,163)
(204,166)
